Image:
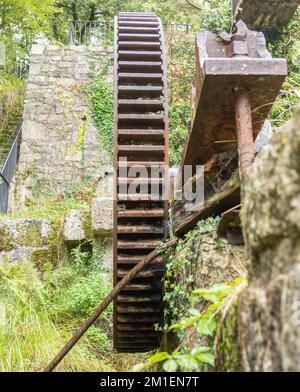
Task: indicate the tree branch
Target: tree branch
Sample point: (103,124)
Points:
(194,5)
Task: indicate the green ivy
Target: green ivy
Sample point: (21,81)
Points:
(100,97)
(180,75)
(287,45)
(198,324)
(216,15)
(284,106)
(193,315)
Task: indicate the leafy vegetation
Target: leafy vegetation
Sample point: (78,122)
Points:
(180,74)
(284,106)
(11,100)
(38,320)
(193,316)
(287,45)
(37,317)
(211,15)
(19,32)
(100,97)
(39,313)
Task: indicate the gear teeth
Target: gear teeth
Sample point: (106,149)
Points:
(141,127)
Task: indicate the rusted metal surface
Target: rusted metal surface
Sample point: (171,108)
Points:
(265,15)
(141,137)
(236,83)
(244,131)
(213,99)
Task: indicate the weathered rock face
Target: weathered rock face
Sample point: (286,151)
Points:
(269,310)
(217,265)
(24,239)
(102,216)
(102,219)
(76,228)
(59,146)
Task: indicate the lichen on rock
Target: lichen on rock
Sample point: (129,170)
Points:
(269,333)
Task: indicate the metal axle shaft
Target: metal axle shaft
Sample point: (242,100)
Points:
(244,131)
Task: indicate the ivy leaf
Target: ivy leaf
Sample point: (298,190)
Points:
(200,350)
(170,366)
(206,326)
(158,357)
(194,312)
(214,293)
(207,358)
(188,362)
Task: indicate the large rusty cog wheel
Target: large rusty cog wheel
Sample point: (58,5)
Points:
(141,137)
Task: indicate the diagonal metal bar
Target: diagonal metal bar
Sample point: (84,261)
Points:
(104,304)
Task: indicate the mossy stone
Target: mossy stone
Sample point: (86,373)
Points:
(28,233)
(6,241)
(39,257)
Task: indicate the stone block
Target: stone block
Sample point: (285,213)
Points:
(102,216)
(103,248)
(38,49)
(15,233)
(38,256)
(75,228)
(35,69)
(105,187)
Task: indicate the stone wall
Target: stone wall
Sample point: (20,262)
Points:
(59,141)
(269,310)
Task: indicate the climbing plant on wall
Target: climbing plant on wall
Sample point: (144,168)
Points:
(100,95)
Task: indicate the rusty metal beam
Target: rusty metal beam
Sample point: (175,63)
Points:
(236,83)
(244,131)
(220,70)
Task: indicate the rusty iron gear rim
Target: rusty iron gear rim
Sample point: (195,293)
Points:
(141,137)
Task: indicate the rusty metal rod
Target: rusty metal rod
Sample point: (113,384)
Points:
(244,131)
(104,304)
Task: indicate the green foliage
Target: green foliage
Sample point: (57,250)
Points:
(287,45)
(284,106)
(55,208)
(11,102)
(216,15)
(100,97)
(8,83)
(91,10)
(19,32)
(180,74)
(30,333)
(213,15)
(179,119)
(200,322)
(193,316)
(77,290)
